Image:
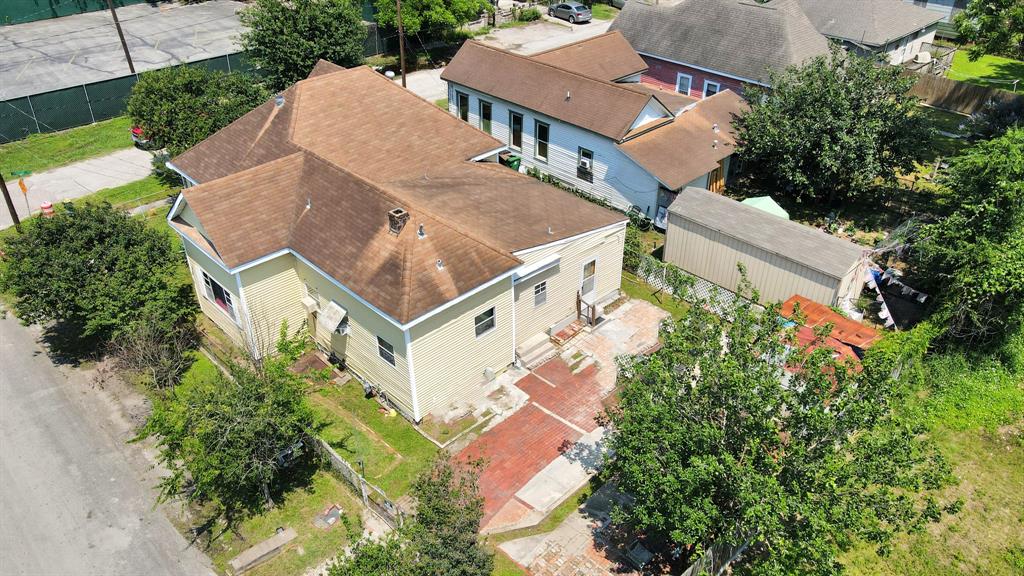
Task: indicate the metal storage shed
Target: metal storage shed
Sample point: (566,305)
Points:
(708,234)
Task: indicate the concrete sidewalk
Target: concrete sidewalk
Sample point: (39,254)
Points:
(77,180)
(74,50)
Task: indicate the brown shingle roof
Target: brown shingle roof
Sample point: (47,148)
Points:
(678,153)
(352,145)
(596,105)
(605,57)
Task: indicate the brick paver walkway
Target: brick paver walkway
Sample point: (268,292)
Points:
(574,397)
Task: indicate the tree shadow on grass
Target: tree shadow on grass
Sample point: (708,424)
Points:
(1009,71)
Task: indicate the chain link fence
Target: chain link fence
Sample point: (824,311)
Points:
(372,497)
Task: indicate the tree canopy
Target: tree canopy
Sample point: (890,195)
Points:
(441,540)
(994,26)
(972,260)
(832,128)
(226,439)
(96,271)
(286,39)
(430,17)
(732,434)
(180,106)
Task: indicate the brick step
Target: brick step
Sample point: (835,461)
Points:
(535,351)
(568,333)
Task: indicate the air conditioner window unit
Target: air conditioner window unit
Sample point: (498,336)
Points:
(585,163)
(310,304)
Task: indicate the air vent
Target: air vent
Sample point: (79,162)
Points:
(397,219)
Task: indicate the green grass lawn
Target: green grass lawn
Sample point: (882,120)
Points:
(392,451)
(942,145)
(133,194)
(993,71)
(41,152)
(604,12)
(636,288)
(442,103)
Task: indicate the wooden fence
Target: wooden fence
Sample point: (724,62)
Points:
(958,96)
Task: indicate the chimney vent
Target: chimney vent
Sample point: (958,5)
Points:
(421,232)
(440,264)
(279,100)
(397,219)
(714,127)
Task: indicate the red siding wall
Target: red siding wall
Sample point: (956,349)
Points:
(663,75)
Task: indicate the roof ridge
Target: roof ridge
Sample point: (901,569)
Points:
(559,68)
(574,43)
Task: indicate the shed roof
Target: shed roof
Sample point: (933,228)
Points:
(741,38)
(802,244)
(596,105)
(319,174)
(607,56)
(868,22)
(843,329)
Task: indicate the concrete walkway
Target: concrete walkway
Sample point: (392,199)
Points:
(539,36)
(77,180)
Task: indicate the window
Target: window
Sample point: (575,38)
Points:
(218,295)
(313,293)
(711,88)
(540,294)
(540,134)
(585,164)
(462,101)
(484,322)
(683,83)
(515,130)
(386,350)
(485,116)
(589,277)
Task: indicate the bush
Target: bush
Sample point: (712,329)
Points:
(528,15)
(995,118)
(634,251)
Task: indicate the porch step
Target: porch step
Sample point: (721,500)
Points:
(567,333)
(536,351)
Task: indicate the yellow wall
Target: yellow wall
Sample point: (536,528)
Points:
(449,359)
(273,294)
(563,281)
(199,262)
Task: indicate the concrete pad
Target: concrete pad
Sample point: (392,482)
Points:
(77,180)
(564,475)
(524,550)
(543,35)
(511,516)
(426,84)
(73,50)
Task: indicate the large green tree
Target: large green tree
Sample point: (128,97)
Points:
(97,272)
(226,439)
(972,260)
(286,39)
(994,26)
(430,17)
(441,540)
(832,128)
(180,106)
(731,434)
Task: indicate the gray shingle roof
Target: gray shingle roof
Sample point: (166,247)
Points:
(867,22)
(737,37)
(808,246)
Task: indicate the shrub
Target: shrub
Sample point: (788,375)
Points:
(528,15)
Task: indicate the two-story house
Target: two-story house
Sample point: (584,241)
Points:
(889,29)
(387,227)
(561,111)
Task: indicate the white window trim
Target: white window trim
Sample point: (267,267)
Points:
(718,88)
(494,321)
(689,83)
(458,109)
(480,115)
(208,282)
(543,285)
(583,272)
(536,149)
(522,130)
(380,350)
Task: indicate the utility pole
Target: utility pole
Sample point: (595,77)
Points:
(120,34)
(10,204)
(401,38)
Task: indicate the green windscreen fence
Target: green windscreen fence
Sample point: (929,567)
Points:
(84,104)
(21,11)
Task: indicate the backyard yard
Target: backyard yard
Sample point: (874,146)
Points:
(41,152)
(992,71)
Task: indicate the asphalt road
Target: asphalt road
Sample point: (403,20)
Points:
(74,499)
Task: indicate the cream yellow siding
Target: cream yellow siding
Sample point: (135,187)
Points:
(450,359)
(359,347)
(564,280)
(273,294)
(713,256)
(198,262)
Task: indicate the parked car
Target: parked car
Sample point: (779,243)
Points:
(620,4)
(574,12)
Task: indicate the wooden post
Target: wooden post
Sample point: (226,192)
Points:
(120,34)
(10,204)
(401,39)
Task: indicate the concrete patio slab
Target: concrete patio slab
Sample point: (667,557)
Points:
(565,474)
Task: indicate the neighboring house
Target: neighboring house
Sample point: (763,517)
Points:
(709,233)
(948,9)
(387,227)
(889,28)
(702,47)
(561,111)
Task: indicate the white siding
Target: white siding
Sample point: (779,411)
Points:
(944,7)
(651,112)
(563,281)
(273,294)
(448,357)
(713,256)
(617,178)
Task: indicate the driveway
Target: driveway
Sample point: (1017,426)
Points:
(549,448)
(73,50)
(537,37)
(75,499)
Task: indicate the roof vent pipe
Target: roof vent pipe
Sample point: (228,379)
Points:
(714,127)
(397,219)
(440,264)
(422,232)
(715,145)
(279,100)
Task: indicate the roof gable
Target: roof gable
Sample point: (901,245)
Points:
(868,22)
(606,57)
